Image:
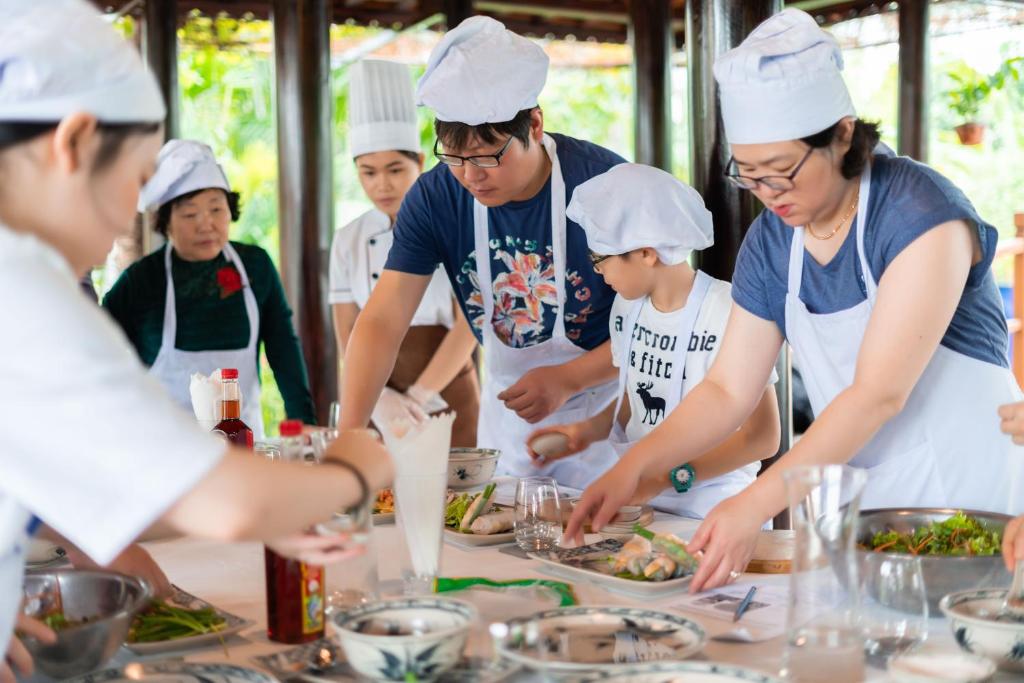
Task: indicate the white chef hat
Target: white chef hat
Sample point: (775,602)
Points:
(632,206)
(481,72)
(182,166)
(784,82)
(381,111)
(59,57)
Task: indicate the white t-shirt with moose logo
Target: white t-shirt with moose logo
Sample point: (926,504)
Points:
(655,338)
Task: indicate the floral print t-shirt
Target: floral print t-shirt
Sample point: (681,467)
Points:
(435,225)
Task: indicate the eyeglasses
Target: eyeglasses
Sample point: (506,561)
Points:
(478,160)
(596,259)
(778,183)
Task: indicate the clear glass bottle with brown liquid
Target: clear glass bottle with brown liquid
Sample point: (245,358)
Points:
(231,425)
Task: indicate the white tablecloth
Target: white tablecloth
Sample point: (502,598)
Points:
(230,576)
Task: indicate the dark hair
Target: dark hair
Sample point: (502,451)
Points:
(455,135)
(163,214)
(112,136)
(411,156)
(862,145)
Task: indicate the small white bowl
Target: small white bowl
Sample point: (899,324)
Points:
(395,640)
(471,467)
(974,617)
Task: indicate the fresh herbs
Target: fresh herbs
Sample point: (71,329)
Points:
(960,535)
(163,621)
(456,510)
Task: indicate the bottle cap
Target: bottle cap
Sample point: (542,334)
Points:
(291,427)
(229,373)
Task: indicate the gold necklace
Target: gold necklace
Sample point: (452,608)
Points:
(839,227)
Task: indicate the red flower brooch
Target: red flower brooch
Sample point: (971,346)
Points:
(229,281)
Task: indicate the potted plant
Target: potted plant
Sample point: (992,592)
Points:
(972,91)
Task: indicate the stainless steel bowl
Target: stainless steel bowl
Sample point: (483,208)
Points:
(106,601)
(942,574)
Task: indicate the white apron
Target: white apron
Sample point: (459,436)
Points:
(699,500)
(944,449)
(504,365)
(15,523)
(174,367)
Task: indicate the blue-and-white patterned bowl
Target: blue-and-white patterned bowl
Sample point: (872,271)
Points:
(690,672)
(471,467)
(403,639)
(980,628)
(578,640)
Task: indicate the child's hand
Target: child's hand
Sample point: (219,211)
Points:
(560,441)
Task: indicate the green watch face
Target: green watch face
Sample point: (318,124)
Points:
(682,478)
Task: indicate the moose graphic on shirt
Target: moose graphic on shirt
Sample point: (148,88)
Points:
(653,405)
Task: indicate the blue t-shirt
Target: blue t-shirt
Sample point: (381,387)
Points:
(907,199)
(435,225)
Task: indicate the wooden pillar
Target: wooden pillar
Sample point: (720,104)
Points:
(302,61)
(160,50)
(650,35)
(713,27)
(912,133)
(456,11)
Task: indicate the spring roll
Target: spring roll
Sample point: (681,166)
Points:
(494,522)
(480,505)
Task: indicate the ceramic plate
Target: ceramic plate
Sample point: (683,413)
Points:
(683,672)
(42,553)
(383,518)
(584,639)
(588,563)
(177,672)
(478,540)
(184,599)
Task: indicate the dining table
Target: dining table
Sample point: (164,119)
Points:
(231,577)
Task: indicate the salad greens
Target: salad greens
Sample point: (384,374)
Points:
(960,535)
(163,621)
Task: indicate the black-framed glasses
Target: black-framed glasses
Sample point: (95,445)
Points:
(778,183)
(479,160)
(596,259)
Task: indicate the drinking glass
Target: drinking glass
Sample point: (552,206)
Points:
(270,451)
(321,439)
(538,515)
(352,581)
(895,606)
(419,508)
(824,638)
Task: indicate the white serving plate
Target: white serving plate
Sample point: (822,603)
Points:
(614,583)
(185,599)
(478,540)
(578,640)
(177,672)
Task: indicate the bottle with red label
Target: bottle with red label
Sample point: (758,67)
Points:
(295,590)
(231,425)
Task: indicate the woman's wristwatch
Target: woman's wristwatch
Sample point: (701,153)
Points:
(682,477)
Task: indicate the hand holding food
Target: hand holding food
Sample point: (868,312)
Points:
(601,500)
(559,441)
